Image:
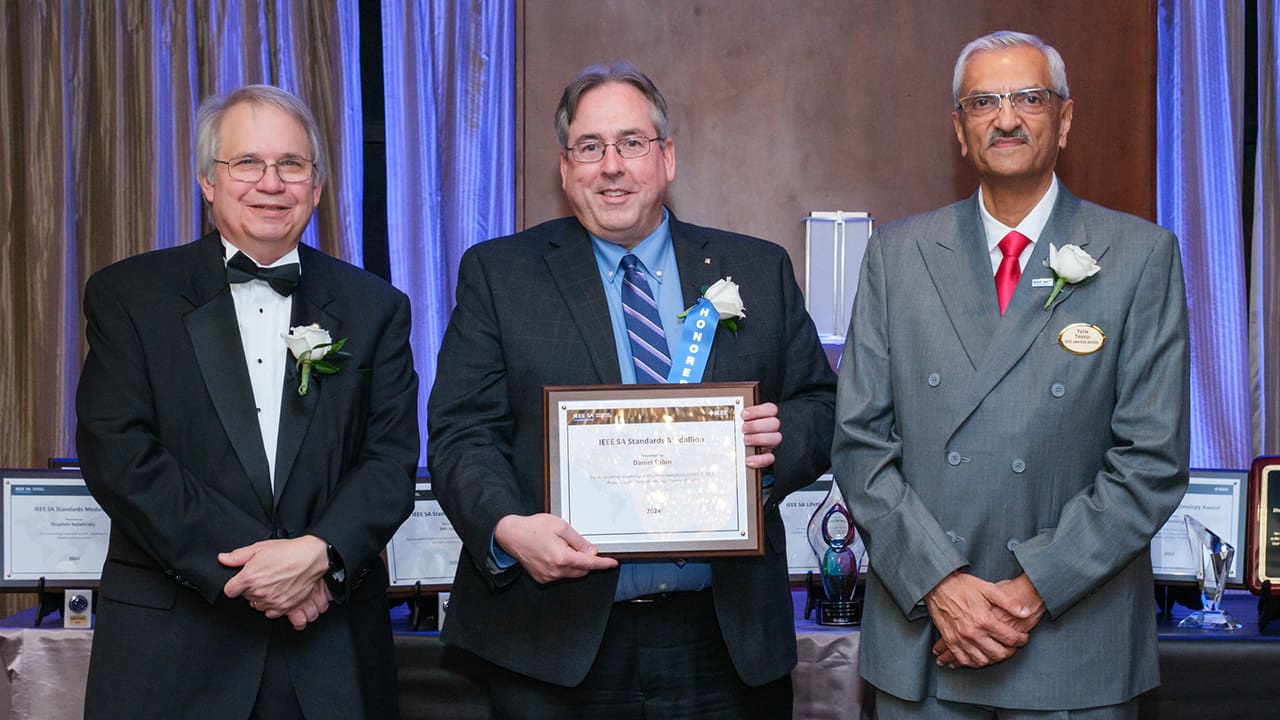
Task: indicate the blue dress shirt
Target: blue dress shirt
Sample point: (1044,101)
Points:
(658,260)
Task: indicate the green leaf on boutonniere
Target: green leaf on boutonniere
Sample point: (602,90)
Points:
(310,344)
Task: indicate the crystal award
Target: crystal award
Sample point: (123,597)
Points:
(1212,557)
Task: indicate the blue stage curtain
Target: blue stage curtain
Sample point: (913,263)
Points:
(450,114)
(313,51)
(1198,180)
(1264,294)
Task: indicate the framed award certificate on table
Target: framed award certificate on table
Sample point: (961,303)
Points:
(654,470)
(53,530)
(425,548)
(1262,555)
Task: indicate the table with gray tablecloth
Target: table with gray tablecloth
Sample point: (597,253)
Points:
(1206,673)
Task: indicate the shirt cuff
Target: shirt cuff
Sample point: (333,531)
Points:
(498,560)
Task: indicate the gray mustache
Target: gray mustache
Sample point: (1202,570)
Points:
(997,134)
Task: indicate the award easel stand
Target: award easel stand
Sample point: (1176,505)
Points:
(1187,596)
(422,609)
(50,602)
(1268,606)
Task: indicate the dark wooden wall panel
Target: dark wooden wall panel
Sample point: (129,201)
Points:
(780,107)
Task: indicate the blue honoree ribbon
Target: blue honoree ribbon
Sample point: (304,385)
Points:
(689,358)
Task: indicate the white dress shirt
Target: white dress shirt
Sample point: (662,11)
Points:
(263,316)
(1031,227)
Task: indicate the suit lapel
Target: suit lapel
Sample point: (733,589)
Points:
(1071,231)
(572,266)
(699,268)
(960,267)
(296,411)
(1025,317)
(219,353)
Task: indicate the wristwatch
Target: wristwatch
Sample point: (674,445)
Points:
(336,574)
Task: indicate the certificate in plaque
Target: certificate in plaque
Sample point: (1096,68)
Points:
(1218,499)
(796,509)
(654,470)
(53,529)
(1263,545)
(425,548)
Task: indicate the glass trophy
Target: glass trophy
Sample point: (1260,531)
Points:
(839,557)
(1212,557)
(814,529)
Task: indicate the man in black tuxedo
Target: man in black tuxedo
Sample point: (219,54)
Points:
(243,578)
(570,633)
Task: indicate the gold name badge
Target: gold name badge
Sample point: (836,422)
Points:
(1081,338)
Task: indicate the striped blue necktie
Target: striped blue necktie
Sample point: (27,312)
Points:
(644,325)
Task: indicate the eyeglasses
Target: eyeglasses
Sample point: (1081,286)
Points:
(1031,101)
(630,148)
(250,169)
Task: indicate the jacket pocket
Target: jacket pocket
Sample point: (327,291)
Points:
(139,586)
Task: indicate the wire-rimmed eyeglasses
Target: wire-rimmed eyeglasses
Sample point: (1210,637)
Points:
(629,147)
(1029,101)
(251,169)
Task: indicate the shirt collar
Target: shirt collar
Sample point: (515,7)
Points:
(229,251)
(1031,226)
(654,252)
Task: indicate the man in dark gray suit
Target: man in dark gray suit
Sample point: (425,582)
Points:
(569,633)
(1010,435)
(249,501)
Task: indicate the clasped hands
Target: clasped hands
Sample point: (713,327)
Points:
(548,548)
(281,578)
(981,623)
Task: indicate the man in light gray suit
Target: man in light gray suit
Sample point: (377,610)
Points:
(1009,435)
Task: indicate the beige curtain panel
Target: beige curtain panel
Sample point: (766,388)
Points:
(97,136)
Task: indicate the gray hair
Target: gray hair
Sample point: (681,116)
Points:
(213,109)
(596,75)
(1003,40)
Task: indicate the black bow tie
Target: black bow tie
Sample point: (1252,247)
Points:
(282,278)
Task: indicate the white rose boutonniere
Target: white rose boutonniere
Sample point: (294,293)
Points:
(724,296)
(1069,265)
(310,345)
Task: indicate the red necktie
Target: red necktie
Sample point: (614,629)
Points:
(1010,270)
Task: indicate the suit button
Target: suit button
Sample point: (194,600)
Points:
(1013,543)
(1058,390)
(1018,465)
(934,379)
(953,458)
